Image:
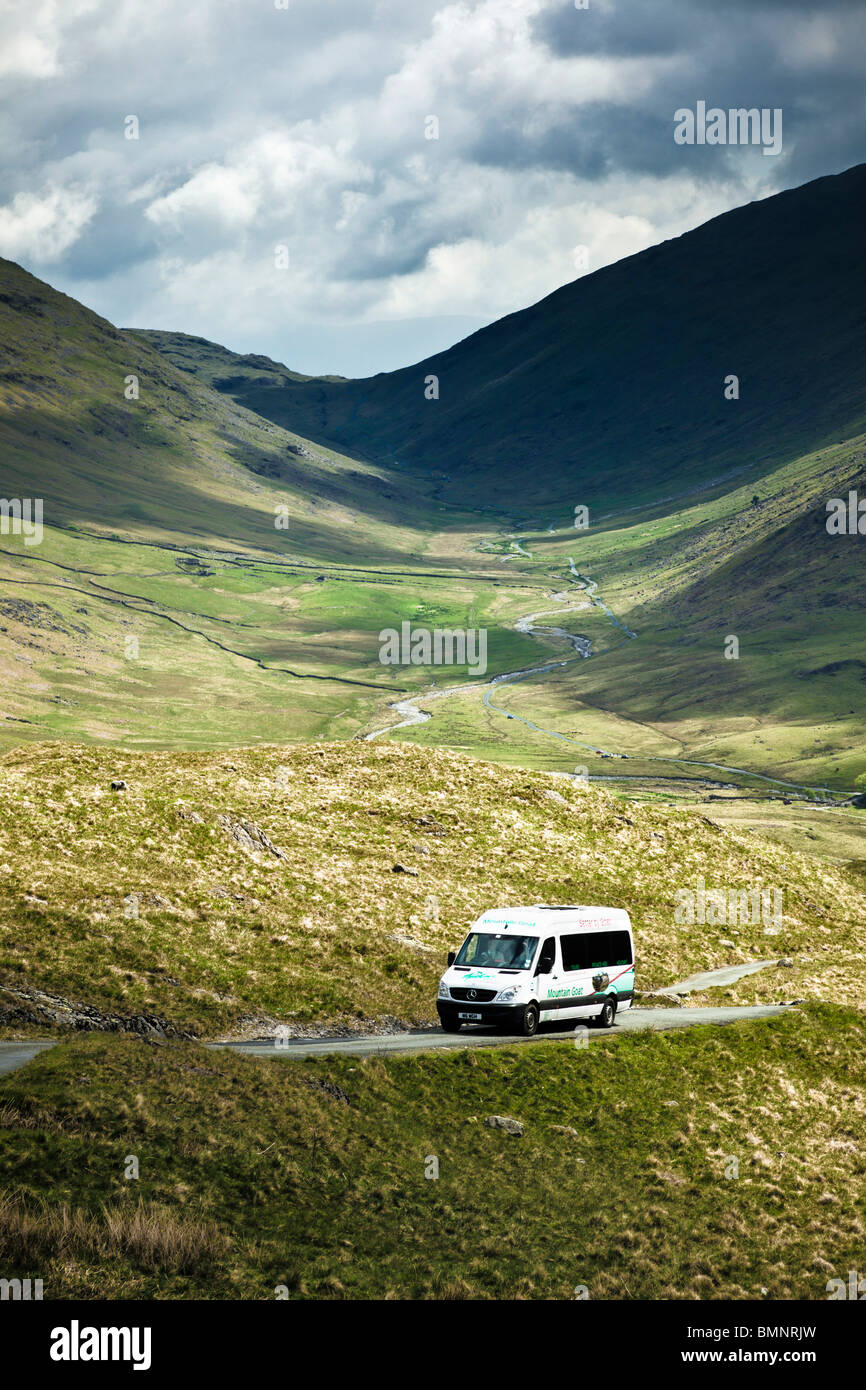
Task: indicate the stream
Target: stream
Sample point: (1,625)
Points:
(583,647)
(527,624)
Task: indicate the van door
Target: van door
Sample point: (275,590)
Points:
(547,973)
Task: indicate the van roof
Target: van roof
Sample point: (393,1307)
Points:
(546,915)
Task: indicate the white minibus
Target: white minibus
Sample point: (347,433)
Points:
(521,966)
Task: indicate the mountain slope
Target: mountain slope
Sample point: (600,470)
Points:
(164,603)
(160,528)
(164,910)
(611,390)
(754,564)
(112,436)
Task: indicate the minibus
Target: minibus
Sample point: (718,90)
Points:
(522,966)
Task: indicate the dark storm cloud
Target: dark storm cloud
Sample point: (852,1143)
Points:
(627,30)
(745,53)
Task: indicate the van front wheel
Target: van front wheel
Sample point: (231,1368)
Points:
(608,1013)
(529,1023)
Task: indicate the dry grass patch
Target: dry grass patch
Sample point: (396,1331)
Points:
(139,902)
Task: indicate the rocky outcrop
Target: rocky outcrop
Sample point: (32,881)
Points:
(249,836)
(38,1006)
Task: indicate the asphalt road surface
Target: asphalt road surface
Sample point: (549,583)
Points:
(14,1054)
(424,1039)
(713,979)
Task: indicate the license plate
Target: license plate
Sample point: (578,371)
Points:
(476,1018)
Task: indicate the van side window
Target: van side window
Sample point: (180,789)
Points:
(547,956)
(588,950)
(573,951)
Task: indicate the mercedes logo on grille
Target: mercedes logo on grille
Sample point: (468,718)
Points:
(472,994)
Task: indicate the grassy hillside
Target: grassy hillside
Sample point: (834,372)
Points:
(611,390)
(180,462)
(707,516)
(163,605)
(752,562)
(147,901)
(164,608)
(710,1164)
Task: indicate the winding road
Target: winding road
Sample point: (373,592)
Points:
(409,707)
(16,1054)
(427,1039)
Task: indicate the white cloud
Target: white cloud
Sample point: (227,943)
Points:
(40,228)
(29,39)
(26,55)
(534,247)
(216,195)
(32,33)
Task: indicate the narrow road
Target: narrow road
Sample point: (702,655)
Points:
(413,715)
(713,979)
(14,1054)
(427,1039)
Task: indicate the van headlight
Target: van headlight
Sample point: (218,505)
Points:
(506,996)
(444,991)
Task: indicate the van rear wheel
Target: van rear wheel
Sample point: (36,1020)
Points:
(608,1013)
(529,1022)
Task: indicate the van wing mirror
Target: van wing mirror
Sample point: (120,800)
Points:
(545,965)
(452,956)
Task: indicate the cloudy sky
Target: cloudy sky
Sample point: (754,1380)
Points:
(306,124)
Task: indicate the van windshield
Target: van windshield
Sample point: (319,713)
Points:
(497,952)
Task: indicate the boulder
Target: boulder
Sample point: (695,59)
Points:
(505,1122)
(249,836)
